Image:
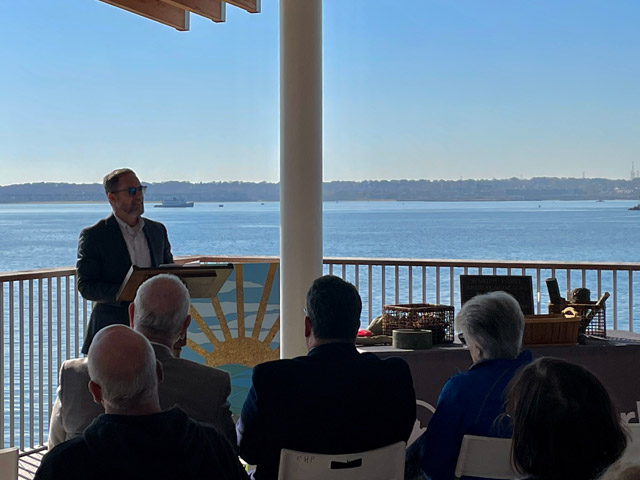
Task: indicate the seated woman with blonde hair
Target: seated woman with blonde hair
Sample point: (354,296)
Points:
(564,423)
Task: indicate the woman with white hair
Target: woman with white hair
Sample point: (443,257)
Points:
(472,402)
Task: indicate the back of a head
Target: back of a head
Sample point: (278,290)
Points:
(334,308)
(161,307)
(122,362)
(495,321)
(564,423)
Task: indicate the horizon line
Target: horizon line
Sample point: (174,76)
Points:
(333,181)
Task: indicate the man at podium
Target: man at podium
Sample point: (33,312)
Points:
(107,250)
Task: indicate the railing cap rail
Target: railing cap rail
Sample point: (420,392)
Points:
(415,262)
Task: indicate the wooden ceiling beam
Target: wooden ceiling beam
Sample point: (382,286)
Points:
(251,6)
(157,10)
(211,9)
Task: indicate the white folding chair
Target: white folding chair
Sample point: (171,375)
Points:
(632,452)
(386,463)
(485,457)
(9,464)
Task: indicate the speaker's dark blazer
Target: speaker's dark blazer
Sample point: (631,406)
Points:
(334,400)
(103,263)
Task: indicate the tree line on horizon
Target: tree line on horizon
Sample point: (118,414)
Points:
(512,189)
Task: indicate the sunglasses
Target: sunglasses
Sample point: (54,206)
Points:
(133,190)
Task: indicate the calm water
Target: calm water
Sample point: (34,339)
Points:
(45,235)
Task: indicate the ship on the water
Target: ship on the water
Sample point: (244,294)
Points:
(174,202)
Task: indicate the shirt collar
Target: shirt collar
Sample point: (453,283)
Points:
(130,230)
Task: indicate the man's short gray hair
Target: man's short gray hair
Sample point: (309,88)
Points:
(161,307)
(123,388)
(495,322)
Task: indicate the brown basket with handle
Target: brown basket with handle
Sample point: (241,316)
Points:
(420,316)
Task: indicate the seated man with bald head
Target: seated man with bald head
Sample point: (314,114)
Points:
(135,438)
(160,312)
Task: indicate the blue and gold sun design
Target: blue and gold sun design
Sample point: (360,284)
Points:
(238,328)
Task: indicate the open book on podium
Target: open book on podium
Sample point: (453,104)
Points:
(202,281)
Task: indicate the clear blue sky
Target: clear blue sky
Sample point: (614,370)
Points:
(412,89)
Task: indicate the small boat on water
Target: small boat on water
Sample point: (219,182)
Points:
(174,203)
(635,207)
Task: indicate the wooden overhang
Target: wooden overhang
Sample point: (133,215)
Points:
(175,13)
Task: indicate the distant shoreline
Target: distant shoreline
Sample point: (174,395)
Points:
(514,189)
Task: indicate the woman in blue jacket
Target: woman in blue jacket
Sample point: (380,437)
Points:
(472,402)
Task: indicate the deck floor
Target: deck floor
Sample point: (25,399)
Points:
(29,463)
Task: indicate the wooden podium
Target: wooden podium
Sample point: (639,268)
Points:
(202,281)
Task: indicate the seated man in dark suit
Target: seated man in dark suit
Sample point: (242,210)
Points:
(134,438)
(160,312)
(334,400)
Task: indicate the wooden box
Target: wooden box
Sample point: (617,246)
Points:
(550,329)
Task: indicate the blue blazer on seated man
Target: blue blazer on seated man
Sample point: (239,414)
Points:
(334,400)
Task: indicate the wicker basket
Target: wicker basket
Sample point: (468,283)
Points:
(593,319)
(424,316)
(551,329)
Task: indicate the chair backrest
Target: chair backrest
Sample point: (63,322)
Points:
(386,463)
(9,464)
(632,452)
(485,457)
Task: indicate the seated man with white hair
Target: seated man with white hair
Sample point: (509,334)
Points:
(160,312)
(472,402)
(135,438)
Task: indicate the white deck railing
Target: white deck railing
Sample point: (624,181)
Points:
(43,318)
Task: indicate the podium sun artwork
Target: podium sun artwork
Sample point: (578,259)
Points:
(238,328)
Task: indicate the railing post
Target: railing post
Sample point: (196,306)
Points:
(614,299)
(370,291)
(31,361)
(410,272)
(539,293)
(40,362)
(397,284)
(21,317)
(11,366)
(383,286)
(4,409)
(50,342)
(452,279)
(630,303)
(59,319)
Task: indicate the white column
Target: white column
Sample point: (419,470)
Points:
(300,164)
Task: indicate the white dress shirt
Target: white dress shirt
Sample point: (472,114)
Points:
(136,242)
